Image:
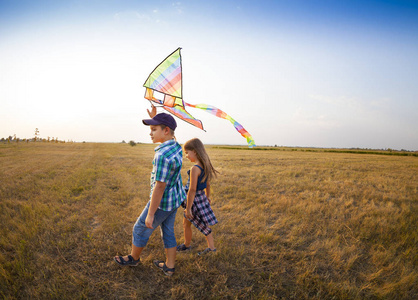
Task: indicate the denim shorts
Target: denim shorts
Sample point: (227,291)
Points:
(164,219)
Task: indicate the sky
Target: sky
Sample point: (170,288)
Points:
(314,73)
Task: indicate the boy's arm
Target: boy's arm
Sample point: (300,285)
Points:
(153,111)
(157,195)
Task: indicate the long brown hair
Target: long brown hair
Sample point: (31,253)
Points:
(197,146)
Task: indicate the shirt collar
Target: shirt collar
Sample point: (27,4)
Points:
(165,144)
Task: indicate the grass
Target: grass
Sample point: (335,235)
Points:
(329,150)
(293,225)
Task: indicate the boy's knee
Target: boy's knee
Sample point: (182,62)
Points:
(169,240)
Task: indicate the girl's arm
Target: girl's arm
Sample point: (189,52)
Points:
(208,191)
(194,174)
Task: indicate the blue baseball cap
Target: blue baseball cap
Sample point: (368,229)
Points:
(162,119)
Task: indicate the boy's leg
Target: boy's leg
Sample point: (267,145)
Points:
(141,233)
(170,260)
(140,236)
(170,243)
(171,257)
(187,227)
(136,251)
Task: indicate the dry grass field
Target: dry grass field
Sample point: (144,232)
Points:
(293,225)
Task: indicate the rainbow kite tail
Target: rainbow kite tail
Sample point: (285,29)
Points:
(221,114)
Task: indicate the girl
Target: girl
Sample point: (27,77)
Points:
(197,206)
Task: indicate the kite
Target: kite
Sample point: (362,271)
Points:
(167,80)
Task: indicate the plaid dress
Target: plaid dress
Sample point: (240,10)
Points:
(202,212)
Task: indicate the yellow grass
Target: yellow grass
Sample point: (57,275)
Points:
(293,224)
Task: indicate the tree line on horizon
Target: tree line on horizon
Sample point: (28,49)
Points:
(36,138)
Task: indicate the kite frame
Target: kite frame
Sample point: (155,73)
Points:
(181,66)
(162,104)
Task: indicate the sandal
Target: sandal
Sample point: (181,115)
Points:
(167,271)
(182,247)
(206,251)
(130,262)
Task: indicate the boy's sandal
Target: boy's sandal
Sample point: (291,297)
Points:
(167,271)
(206,251)
(183,247)
(130,262)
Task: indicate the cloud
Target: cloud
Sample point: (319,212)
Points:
(178,7)
(310,119)
(355,104)
(130,15)
(342,101)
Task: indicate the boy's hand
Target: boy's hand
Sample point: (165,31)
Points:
(153,111)
(149,220)
(157,195)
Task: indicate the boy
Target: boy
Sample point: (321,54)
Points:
(167,193)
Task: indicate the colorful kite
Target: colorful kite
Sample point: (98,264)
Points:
(167,79)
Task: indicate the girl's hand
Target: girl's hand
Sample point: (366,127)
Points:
(153,111)
(188,213)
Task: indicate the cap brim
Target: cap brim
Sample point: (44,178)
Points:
(150,122)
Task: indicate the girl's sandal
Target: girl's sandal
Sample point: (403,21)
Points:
(167,271)
(182,248)
(206,251)
(130,262)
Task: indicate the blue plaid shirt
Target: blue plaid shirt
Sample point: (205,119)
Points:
(167,163)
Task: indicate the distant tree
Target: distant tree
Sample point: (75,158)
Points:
(123,142)
(36,134)
(132,143)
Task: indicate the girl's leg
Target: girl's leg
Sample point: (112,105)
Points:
(187,226)
(211,243)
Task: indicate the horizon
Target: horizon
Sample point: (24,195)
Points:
(241,146)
